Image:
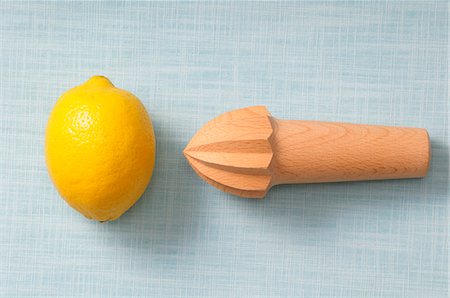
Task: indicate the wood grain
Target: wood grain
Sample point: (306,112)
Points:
(312,151)
(247,151)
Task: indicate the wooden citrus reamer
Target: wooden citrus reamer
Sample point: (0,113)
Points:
(247,151)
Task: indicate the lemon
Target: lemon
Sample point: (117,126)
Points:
(100,149)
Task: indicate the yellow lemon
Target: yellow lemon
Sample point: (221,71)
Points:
(100,149)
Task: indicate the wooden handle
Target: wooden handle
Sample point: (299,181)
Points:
(312,151)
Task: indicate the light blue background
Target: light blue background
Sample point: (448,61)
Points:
(363,62)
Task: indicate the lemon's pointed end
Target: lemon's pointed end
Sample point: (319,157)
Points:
(98,81)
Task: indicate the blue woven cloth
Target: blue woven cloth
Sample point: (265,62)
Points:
(362,62)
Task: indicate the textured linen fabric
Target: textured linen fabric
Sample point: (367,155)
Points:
(362,62)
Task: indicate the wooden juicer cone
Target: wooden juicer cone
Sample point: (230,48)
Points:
(245,152)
